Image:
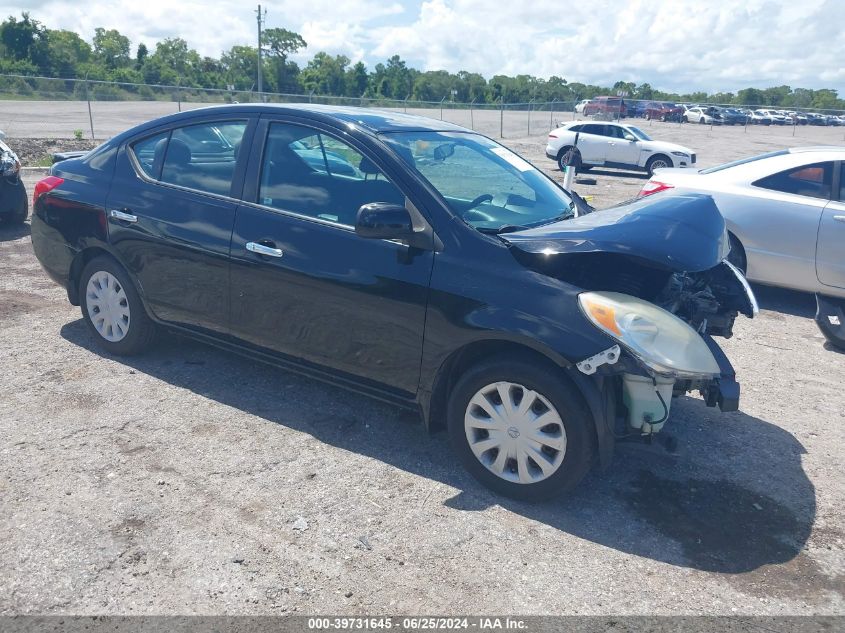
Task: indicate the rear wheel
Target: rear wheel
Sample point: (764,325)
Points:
(569,156)
(20,210)
(112,308)
(520,429)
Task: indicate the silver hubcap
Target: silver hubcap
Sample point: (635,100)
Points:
(658,164)
(108,307)
(515,432)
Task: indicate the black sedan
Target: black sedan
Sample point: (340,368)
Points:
(408,259)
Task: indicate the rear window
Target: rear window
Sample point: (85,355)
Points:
(743,161)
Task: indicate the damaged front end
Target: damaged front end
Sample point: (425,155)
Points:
(655,280)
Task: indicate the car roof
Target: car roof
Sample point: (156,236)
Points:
(373,120)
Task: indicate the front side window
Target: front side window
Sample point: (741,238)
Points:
(316,175)
(813,181)
(593,128)
(485,184)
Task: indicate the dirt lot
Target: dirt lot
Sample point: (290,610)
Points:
(190,480)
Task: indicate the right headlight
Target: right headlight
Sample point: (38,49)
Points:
(661,340)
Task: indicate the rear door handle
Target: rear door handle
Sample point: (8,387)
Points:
(123,216)
(839,218)
(261,249)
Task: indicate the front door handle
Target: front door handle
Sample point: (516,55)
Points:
(123,216)
(839,218)
(261,249)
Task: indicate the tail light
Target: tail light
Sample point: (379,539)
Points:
(652,187)
(45,185)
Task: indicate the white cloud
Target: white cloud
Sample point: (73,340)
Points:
(679,45)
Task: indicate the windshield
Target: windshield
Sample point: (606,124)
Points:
(639,133)
(485,184)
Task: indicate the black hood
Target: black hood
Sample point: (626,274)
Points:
(675,232)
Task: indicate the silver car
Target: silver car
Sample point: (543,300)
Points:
(785,212)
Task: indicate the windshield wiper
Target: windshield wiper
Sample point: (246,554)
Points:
(505,228)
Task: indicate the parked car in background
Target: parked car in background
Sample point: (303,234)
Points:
(798,118)
(636,109)
(785,212)
(734,116)
(618,145)
(663,111)
(579,107)
(606,107)
(774,117)
(485,303)
(14,205)
(758,117)
(708,115)
(816,119)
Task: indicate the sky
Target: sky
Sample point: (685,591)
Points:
(674,45)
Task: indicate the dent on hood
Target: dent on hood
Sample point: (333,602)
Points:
(678,233)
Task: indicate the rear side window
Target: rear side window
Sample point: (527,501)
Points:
(202,157)
(813,181)
(150,154)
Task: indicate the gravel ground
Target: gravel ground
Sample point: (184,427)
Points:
(190,480)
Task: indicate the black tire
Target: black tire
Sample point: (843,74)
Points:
(20,211)
(563,158)
(685,119)
(655,160)
(701,121)
(737,254)
(553,386)
(140,330)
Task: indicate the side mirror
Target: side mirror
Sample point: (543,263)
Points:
(384,221)
(630,137)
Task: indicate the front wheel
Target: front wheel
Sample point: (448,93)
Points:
(520,429)
(657,162)
(112,308)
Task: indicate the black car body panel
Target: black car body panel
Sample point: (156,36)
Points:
(383,317)
(684,233)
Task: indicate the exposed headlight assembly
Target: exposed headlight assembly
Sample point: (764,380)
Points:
(682,154)
(658,338)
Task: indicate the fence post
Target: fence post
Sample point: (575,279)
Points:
(441,107)
(310,96)
(88,99)
(530,102)
(406,104)
(178,94)
(502,116)
(552,115)
(471,117)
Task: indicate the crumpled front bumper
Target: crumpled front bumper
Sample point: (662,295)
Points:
(723,390)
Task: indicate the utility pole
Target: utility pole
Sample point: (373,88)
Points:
(261,17)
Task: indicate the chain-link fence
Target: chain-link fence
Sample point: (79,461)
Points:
(42,107)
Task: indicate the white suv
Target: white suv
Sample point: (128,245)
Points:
(585,145)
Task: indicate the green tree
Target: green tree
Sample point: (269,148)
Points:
(280,44)
(23,39)
(66,50)
(239,64)
(356,80)
(750,96)
(111,48)
(141,55)
(325,75)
